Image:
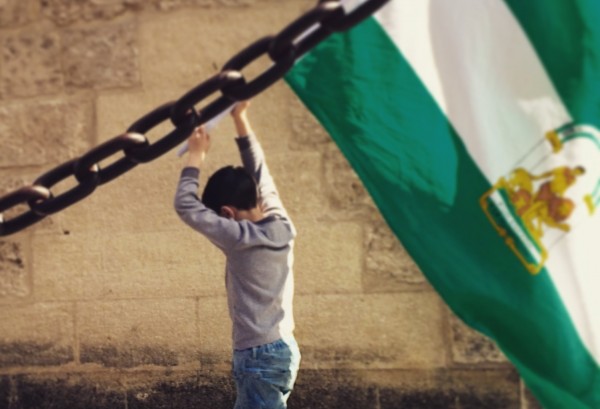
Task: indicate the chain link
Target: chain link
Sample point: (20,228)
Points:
(284,49)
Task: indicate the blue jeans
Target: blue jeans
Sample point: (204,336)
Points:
(265,375)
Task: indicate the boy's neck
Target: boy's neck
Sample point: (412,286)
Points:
(253,215)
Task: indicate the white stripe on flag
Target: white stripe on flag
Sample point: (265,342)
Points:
(479,66)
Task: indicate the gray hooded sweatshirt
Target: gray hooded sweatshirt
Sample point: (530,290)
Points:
(259,255)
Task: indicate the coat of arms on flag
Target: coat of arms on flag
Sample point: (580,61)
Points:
(549,192)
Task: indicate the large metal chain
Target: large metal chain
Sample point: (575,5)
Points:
(284,49)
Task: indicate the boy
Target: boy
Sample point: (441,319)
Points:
(241,213)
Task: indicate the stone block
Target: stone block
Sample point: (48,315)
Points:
(195,44)
(215,333)
(271,120)
(61,12)
(5,392)
(132,333)
(299,180)
(139,201)
(168,5)
(15,279)
(87,265)
(181,390)
(373,331)
(36,335)
(348,199)
(117,111)
(460,389)
(73,391)
(470,346)
(101,57)
(325,389)
(308,132)
(68,267)
(163,264)
(186,52)
(66,12)
(45,133)
(15,13)
(389,268)
(31,64)
(328,258)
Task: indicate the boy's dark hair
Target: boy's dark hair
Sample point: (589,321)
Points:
(230,186)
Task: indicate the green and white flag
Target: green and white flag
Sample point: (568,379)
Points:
(474,126)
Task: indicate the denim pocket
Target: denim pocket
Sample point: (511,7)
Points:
(275,363)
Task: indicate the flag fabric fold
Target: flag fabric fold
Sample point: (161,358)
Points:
(474,125)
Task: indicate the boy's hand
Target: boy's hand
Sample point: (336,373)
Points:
(240,119)
(198,145)
(240,109)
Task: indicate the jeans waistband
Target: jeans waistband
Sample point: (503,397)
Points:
(276,345)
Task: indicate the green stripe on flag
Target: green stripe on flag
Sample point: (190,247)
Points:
(428,188)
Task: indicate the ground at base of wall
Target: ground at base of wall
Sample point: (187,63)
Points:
(315,389)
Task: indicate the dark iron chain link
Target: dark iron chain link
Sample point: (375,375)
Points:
(284,49)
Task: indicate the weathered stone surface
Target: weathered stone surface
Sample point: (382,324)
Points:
(5,392)
(88,266)
(384,331)
(132,333)
(163,264)
(66,12)
(181,390)
(67,267)
(450,399)
(328,258)
(71,391)
(300,172)
(195,44)
(332,389)
(18,12)
(40,335)
(31,64)
(470,346)
(214,330)
(102,57)
(315,389)
(347,195)
(45,133)
(14,273)
(468,389)
(389,267)
(309,134)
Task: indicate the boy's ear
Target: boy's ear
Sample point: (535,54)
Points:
(227,212)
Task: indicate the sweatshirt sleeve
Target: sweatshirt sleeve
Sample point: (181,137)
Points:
(223,232)
(253,160)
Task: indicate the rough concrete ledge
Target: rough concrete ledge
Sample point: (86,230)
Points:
(315,389)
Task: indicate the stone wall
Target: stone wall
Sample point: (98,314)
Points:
(114,303)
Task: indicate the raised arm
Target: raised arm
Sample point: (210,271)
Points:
(253,160)
(224,233)
(239,113)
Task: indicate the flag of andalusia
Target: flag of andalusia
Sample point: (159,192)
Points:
(474,125)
